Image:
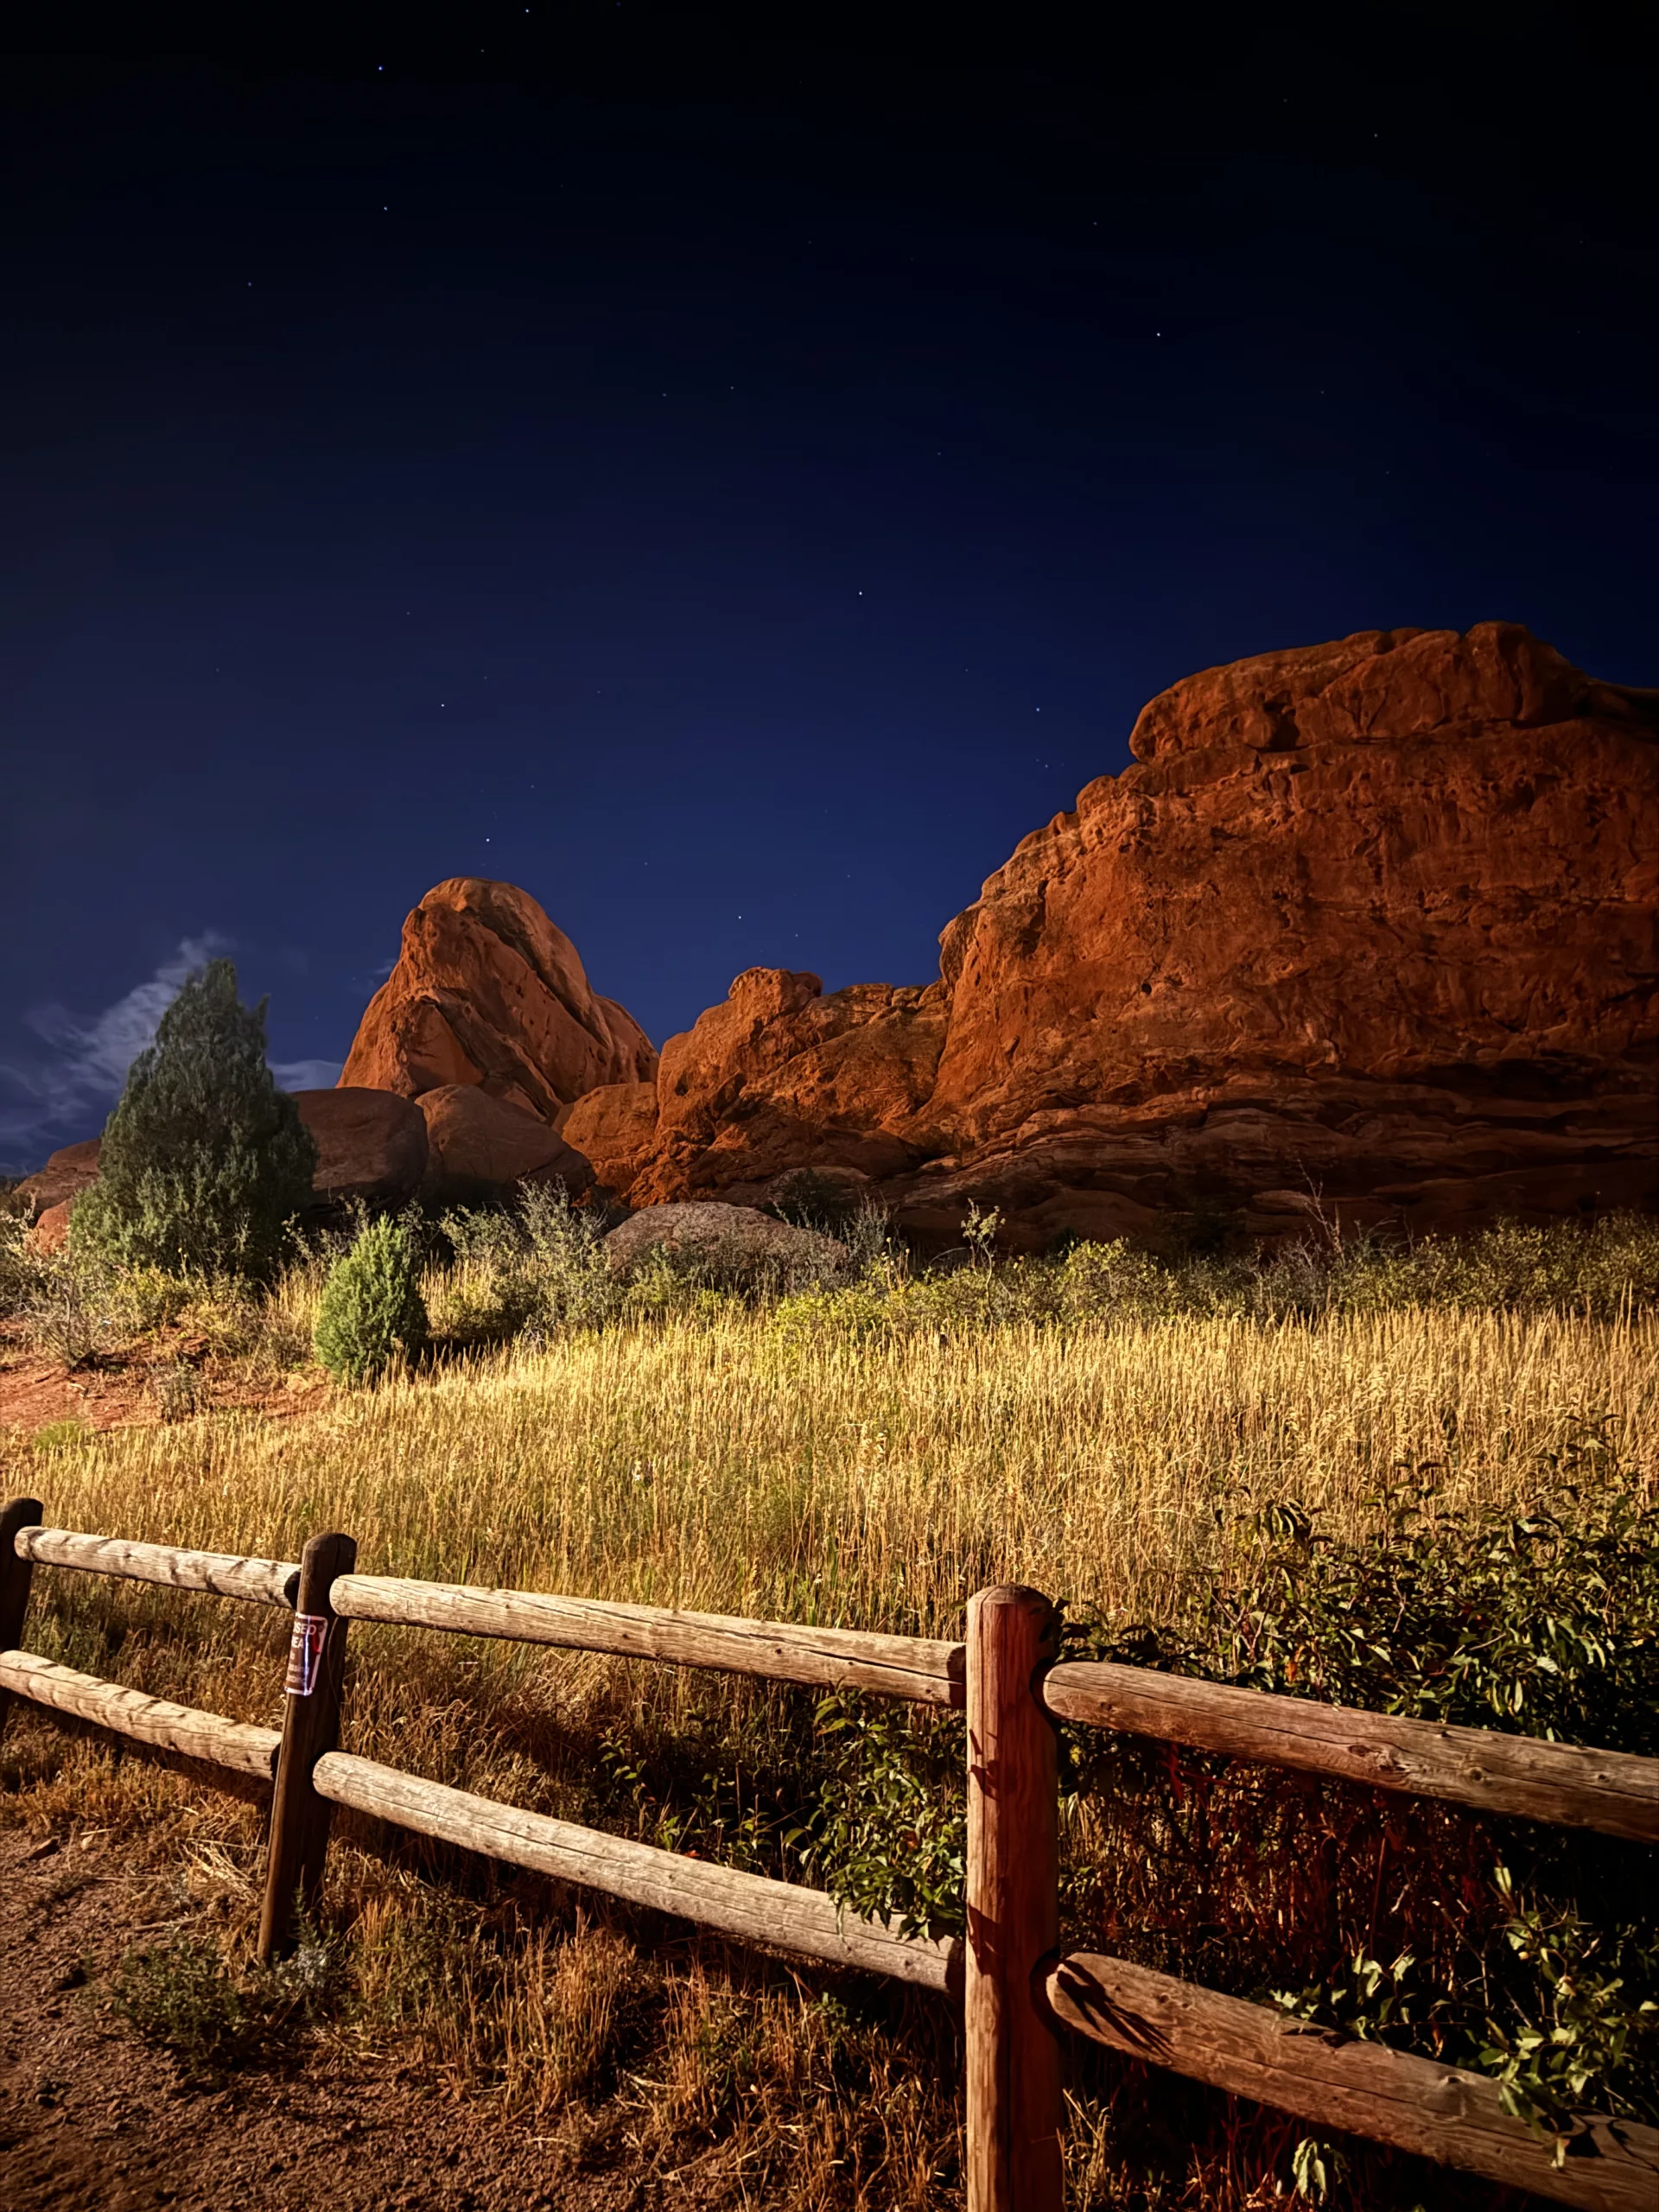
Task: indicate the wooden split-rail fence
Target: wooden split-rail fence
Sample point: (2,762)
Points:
(1020,1992)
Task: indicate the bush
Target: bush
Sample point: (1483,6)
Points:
(20,1265)
(181,1997)
(67,1308)
(371,1310)
(1333,1900)
(538,1269)
(204,1162)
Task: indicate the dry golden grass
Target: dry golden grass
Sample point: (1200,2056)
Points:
(718,1465)
(875,1483)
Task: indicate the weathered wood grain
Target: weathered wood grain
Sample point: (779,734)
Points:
(263,1582)
(300,1818)
(1613,1792)
(1014,2107)
(917,1667)
(749,1906)
(1393,2096)
(181,1728)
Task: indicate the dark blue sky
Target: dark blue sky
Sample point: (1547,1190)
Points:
(734,487)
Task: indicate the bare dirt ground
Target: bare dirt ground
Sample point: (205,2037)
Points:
(119,1389)
(93,2120)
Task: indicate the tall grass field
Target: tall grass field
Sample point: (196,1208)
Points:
(1227,1490)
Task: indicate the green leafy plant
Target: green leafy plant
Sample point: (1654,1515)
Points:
(61,1435)
(372,1310)
(534,1270)
(1521,1951)
(888,1835)
(181,1997)
(204,1161)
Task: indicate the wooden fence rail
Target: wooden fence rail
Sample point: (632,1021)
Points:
(1365,2089)
(263,1581)
(205,1736)
(1612,1791)
(836,1658)
(1020,1992)
(779,1915)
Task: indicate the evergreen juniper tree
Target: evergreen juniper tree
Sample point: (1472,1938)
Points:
(371,1306)
(204,1161)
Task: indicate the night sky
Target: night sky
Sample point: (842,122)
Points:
(734,480)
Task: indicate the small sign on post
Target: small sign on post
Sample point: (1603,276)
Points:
(305,1653)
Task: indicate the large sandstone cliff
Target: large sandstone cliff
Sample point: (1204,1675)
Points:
(1369,924)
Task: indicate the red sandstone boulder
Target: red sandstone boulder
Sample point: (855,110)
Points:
(1376,920)
(51,1229)
(480,1148)
(613,1128)
(487,991)
(371,1146)
(735,1244)
(65,1175)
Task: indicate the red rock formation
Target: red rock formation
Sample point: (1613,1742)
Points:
(1374,919)
(487,991)
(614,1127)
(780,1075)
(480,1146)
(371,1146)
(66,1174)
(51,1229)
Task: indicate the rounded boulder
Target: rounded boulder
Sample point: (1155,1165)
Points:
(371,1146)
(479,1148)
(734,1243)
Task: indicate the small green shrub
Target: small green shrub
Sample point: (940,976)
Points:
(851,1314)
(204,1161)
(65,1435)
(143,1298)
(177,1389)
(887,1833)
(371,1310)
(181,1997)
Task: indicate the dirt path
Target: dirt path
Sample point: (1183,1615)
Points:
(92,2121)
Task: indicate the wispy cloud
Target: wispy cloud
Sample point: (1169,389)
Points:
(305,1075)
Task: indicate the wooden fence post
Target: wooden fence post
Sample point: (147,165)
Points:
(1013,2101)
(16,1574)
(299,1817)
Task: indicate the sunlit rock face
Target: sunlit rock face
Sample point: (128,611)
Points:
(487,991)
(1368,926)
